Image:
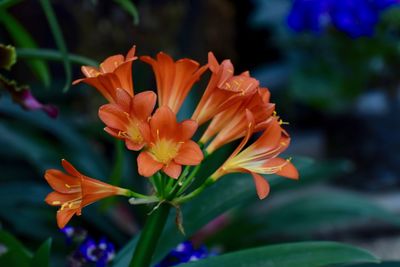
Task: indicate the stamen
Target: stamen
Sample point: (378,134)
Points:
(56,202)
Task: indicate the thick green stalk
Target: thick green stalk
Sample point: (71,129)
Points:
(149,237)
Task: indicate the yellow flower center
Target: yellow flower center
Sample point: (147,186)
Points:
(164,150)
(133,133)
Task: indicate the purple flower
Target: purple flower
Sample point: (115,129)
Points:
(74,234)
(99,253)
(29,102)
(354,17)
(184,252)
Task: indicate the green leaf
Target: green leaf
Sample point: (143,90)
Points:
(129,7)
(42,256)
(304,254)
(301,216)
(23,39)
(58,36)
(15,253)
(229,192)
(54,55)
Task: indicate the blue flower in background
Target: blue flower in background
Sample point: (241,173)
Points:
(184,252)
(100,253)
(354,17)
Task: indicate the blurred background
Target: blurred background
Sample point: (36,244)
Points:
(332,68)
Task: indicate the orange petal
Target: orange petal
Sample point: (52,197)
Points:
(110,63)
(124,74)
(262,185)
(172,169)
(189,154)
(123,99)
(63,217)
(62,182)
(70,169)
(114,117)
(143,104)
(57,199)
(163,123)
(133,146)
(188,128)
(112,132)
(289,171)
(147,166)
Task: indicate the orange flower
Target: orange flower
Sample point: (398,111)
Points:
(114,72)
(261,156)
(223,89)
(126,117)
(231,124)
(174,79)
(74,191)
(169,145)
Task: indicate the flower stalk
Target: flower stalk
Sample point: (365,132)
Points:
(149,236)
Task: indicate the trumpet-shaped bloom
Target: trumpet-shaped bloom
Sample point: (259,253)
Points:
(168,145)
(73,191)
(126,117)
(223,89)
(114,72)
(231,124)
(260,157)
(174,79)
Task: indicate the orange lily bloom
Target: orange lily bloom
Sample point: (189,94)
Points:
(223,89)
(260,157)
(73,191)
(174,79)
(114,72)
(231,124)
(126,117)
(168,145)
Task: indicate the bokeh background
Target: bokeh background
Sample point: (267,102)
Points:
(333,72)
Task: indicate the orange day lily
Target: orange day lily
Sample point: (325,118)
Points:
(223,90)
(114,72)
(73,191)
(174,79)
(126,117)
(260,157)
(168,145)
(231,124)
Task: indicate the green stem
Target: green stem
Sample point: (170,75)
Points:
(149,237)
(194,193)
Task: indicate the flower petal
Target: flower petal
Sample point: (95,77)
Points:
(187,128)
(163,123)
(62,182)
(172,169)
(64,216)
(189,154)
(147,166)
(262,185)
(143,104)
(57,199)
(113,116)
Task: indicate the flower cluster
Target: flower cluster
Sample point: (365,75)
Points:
(354,17)
(233,106)
(184,252)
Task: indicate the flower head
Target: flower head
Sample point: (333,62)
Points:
(114,72)
(223,90)
(168,145)
(261,156)
(126,117)
(73,191)
(174,78)
(231,124)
